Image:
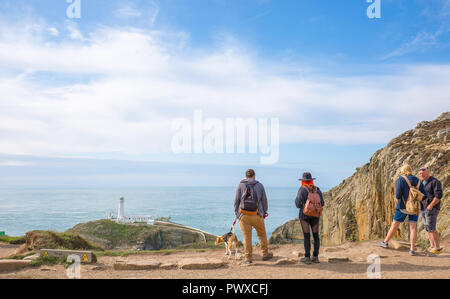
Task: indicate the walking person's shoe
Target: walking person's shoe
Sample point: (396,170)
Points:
(412,253)
(267,257)
(383,244)
(315,259)
(306,260)
(436,250)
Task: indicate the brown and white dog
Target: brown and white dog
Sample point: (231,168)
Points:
(229,239)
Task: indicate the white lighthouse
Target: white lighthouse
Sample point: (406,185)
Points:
(121,211)
(121,218)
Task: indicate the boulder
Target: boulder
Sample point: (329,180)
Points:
(32,257)
(168,266)
(338,259)
(399,245)
(136,265)
(200,263)
(285,261)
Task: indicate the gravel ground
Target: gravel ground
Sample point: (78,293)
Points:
(394,264)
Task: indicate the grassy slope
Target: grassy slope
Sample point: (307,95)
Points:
(111,235)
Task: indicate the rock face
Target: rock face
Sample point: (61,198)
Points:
(111,235)
(363,205)
(287,233)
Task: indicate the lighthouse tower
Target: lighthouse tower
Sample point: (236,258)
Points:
(121,211)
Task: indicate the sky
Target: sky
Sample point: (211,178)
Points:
(91,101)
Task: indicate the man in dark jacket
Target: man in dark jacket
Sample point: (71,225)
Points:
(431,205)
(254,218)
(309,223)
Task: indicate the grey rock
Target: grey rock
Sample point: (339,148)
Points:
(285,261)
(338,259)
(200,263)
(136,265)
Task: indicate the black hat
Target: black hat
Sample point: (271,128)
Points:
(307,177)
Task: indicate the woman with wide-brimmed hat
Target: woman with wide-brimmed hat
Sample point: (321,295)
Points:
(309,223)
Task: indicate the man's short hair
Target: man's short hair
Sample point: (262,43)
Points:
(249,173)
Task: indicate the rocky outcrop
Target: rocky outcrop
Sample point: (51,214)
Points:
(287,233)
(363,205)
(140,236)
(39,239)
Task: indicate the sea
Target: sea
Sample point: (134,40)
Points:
(207,208)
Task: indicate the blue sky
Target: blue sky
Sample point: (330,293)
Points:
(107,86)
(337,31)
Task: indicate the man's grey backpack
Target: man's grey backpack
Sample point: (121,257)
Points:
(249,200)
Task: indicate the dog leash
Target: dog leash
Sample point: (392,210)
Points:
(234,223)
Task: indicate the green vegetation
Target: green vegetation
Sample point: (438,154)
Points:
(133,236)
(119,239)
(422,243)
(53,240)
(50,261)
(12,240)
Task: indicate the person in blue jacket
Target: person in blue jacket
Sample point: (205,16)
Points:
(401,194)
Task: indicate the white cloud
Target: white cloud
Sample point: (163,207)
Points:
(422,41)
(11,163)
(127,85)
(127,11)
(74,32)
(53,31)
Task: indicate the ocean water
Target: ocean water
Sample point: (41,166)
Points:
(207,208)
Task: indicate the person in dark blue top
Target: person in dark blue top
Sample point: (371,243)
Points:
(402,194)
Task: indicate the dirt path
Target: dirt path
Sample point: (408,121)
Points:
(394,264)
(7,249)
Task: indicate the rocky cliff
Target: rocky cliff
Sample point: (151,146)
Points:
(363,205)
